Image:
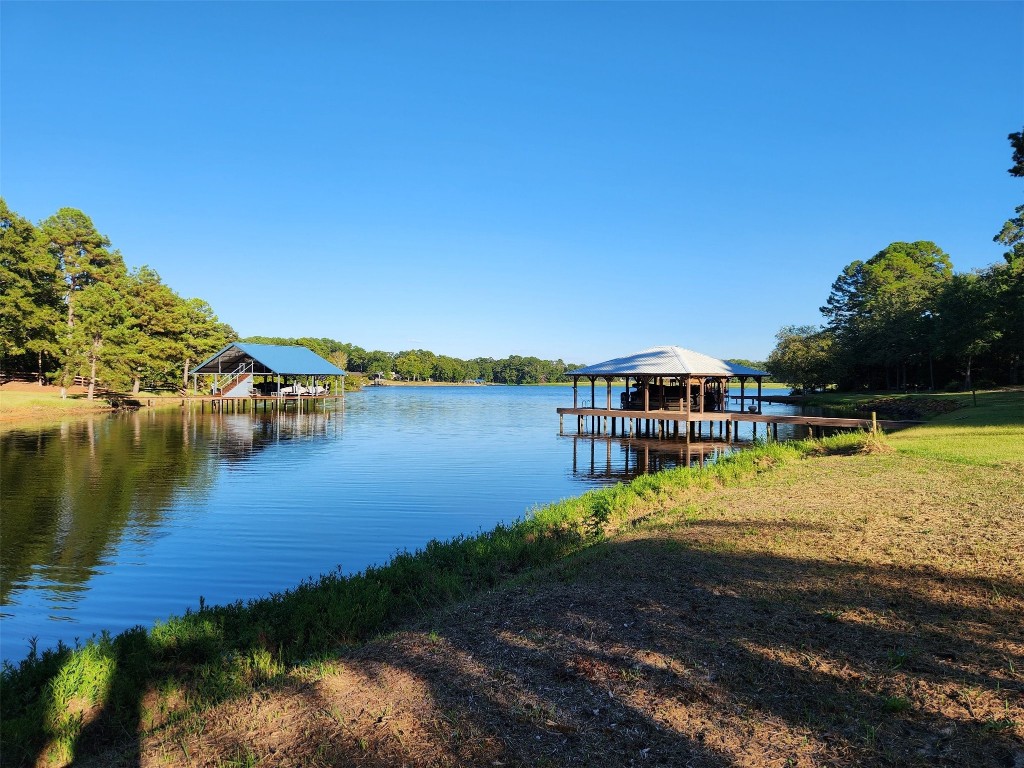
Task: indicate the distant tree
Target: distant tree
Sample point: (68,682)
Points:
(414,364)
(377,361)
(802,357)
(448,369)
(339,358)
(481,368)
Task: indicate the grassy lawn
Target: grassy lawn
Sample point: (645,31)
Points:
(850,601)
(23,404)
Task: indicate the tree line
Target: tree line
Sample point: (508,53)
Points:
(423,365)
(70,308)
(904,319)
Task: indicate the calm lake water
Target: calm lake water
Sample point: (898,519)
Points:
(120,520)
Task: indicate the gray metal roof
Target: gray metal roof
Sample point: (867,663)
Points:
(667,361)
(275,358)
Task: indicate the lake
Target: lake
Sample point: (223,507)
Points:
(118,520)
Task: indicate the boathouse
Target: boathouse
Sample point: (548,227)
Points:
(243,370)
(674,392)
(665,387)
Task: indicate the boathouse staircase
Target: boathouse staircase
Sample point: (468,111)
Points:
(237,383)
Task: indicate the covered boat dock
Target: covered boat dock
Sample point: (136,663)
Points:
(243,375)
(666,387)
(676,392)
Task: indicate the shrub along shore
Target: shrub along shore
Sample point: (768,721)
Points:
(63,704)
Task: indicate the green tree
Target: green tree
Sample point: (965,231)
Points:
(84,260)
(802,357)
(102,315)
(878,309)
(414,364)
(1007,280)
(30,296)
(1017,142)
(448,369)
(204,334)
(377,361)
(154,342)
(82,254)
(965,321)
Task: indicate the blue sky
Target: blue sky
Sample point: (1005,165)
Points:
(573,180)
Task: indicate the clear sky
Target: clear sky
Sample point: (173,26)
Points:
(574,180)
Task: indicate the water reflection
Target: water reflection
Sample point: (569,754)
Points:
(70,495)
(63,510)
(603,458)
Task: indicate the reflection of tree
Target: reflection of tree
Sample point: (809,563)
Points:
(69,494)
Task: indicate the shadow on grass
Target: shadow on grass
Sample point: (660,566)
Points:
(651,652)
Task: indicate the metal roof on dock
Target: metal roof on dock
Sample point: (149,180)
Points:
(282,359)
(667,361)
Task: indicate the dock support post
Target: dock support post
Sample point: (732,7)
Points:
(561,423)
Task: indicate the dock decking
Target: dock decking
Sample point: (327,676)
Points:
(665,423)
(252,403)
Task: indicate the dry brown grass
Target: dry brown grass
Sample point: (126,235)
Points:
(844,610)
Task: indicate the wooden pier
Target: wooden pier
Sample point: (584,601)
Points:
(662,424)
(269,403)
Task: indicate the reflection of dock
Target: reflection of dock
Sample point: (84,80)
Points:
(600,457)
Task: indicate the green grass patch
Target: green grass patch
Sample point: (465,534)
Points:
(990,433)
(48,397)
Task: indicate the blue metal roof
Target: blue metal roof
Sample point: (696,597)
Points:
(285,360)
